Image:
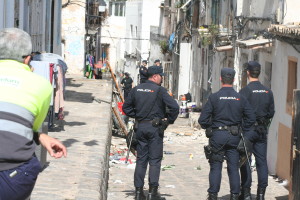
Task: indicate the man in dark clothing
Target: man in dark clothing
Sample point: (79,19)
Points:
(143,72)
(262,102)
(147,103)
(157,62)
(222,117)
(127,84)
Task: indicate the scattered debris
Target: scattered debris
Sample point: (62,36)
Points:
(170,186)
(167,167)
(168,152)
(118,181)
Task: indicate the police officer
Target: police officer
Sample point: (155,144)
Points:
(262,101)
(143,72)
(147,103)
(157,62)
(127,84)
(222,117)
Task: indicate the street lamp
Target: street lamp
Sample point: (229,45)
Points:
(102,7)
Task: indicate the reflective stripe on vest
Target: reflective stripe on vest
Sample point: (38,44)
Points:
(16,120)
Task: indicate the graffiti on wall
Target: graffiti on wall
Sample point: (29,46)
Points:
(75,45)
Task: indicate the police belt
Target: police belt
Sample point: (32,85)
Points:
(233,130)
(144,121)
(222,128)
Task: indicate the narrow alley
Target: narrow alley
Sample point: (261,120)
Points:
(184,172)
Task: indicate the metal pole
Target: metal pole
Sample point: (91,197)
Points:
(98,44)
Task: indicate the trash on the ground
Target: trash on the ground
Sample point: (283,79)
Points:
(118,181)
(167,167)
(191,156)
(198,168)
(283,183)
(168,152)
(188,134)
(114,162)
(131,166)
(115,157)
(124,159)
(170,186)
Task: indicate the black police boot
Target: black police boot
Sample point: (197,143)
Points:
(139,194)
(245,194)
(234,196)
(212,196)
(261,193)
(154,194)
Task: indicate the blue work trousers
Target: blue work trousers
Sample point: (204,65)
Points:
(18,183)
(224,141)
(260,153)
(149,150)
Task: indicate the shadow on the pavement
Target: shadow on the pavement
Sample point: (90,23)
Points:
(69,142)
(226,197)
(74,123)
(91,143)
(132,193)
(286,197)
(84,97)
(45,166)
(129,192)
(71,84)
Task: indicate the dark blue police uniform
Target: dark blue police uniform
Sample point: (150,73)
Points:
(224,111)
(143,74)
(146,102)
(262,102)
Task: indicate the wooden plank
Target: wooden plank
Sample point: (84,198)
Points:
(115,81)
(121,122)
(283,164)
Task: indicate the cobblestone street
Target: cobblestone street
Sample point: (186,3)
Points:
(184,172)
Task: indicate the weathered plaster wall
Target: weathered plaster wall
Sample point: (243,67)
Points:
(73,31)
(281,52)
(291,10)
(113,33)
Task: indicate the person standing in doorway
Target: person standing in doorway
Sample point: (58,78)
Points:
(24,104)
(222,118)
(262,102)
(143,72)
(127,84)
(147,103)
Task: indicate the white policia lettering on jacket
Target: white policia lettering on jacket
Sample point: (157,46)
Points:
(144,90)
(229,98)
(260,91)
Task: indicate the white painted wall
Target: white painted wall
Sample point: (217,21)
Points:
(140,14)
(113,33)
(184,68)
(279,87)
(291,11)
(73,31)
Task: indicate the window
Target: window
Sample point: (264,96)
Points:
(291,83)
(268,74)
(136,32)
(117,8)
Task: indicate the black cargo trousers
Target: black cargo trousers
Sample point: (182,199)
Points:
(149,150)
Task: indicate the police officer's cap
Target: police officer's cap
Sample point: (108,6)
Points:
(156,70)
(227,72)
(157,60)
(145,61)
(253,66)
(126,74)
